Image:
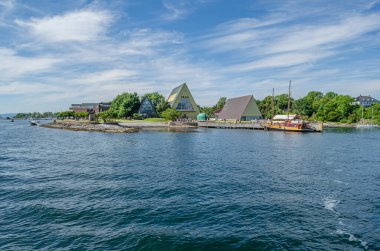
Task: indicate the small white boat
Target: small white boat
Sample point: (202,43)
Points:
(33,122)
(366,126)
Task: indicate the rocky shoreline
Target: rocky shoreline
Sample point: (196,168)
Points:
(89,127)
(118,127)
(338,125)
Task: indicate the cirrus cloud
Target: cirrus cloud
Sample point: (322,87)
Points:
(78,26)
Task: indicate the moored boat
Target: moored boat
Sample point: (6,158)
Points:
(362,125)
(290,122)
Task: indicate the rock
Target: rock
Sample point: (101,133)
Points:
(91,127)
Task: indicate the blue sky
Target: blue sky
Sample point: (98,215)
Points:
(54,53)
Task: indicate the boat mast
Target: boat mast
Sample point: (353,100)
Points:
(290,83)
(362,115)
(272,106)
(372,118)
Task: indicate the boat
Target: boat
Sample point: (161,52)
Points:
(290,122)
(362,125)
(12,120)
(33,122)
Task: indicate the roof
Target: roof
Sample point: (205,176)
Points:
(285,117)
(174,93)
(182,94)
(218,111)
(235,107)
(365,98)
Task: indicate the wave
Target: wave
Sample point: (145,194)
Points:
(352,238)
(330,204)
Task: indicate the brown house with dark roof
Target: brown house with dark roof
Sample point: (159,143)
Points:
(241,108)
(90,107)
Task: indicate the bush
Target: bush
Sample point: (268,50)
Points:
(170,114)
(105,116)
(66,114)
(137,116)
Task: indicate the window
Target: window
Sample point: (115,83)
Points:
(184,104)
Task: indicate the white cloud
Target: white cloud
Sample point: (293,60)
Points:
(78,26)
(175,11)
(310,37)
(280,60)
(13,65)
(6,5)
(178,9)
(17,88)
(104,77)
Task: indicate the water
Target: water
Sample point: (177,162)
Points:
(206,190)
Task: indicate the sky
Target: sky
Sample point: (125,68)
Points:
(55,53)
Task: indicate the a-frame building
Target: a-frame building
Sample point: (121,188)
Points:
(146,109)
(181,99)
(241,108)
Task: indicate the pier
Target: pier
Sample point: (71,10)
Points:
(231,125)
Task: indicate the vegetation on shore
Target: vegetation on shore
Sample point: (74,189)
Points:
(329,107)
(36,115)
(315,106)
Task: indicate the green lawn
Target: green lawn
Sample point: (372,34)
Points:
(152,120)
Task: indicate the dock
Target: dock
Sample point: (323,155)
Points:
(231,125)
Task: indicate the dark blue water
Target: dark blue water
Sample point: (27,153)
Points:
(206,190)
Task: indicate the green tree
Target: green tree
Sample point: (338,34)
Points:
(308,105)
(124,105)
(220,104)
(171,114)
(158,101)
(66,114)
(336,108)
(81,115)
(209,110)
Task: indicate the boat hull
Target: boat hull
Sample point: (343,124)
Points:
(289,129)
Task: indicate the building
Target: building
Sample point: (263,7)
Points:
(90,107)
(104,106)
(181,99)
(146,109)
(241,108)
(365,101)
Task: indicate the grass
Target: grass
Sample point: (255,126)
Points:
(150,120)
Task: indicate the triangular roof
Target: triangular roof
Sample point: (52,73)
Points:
(146,99)
(237,107)
(176,93)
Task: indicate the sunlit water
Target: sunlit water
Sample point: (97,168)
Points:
(206,190)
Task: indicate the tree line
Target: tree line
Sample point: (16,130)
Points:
(315,105)
(36,115)
(126,105)
(331,107)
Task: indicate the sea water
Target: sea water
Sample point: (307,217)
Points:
(208,189)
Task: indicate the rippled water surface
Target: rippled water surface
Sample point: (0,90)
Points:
(205,190)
